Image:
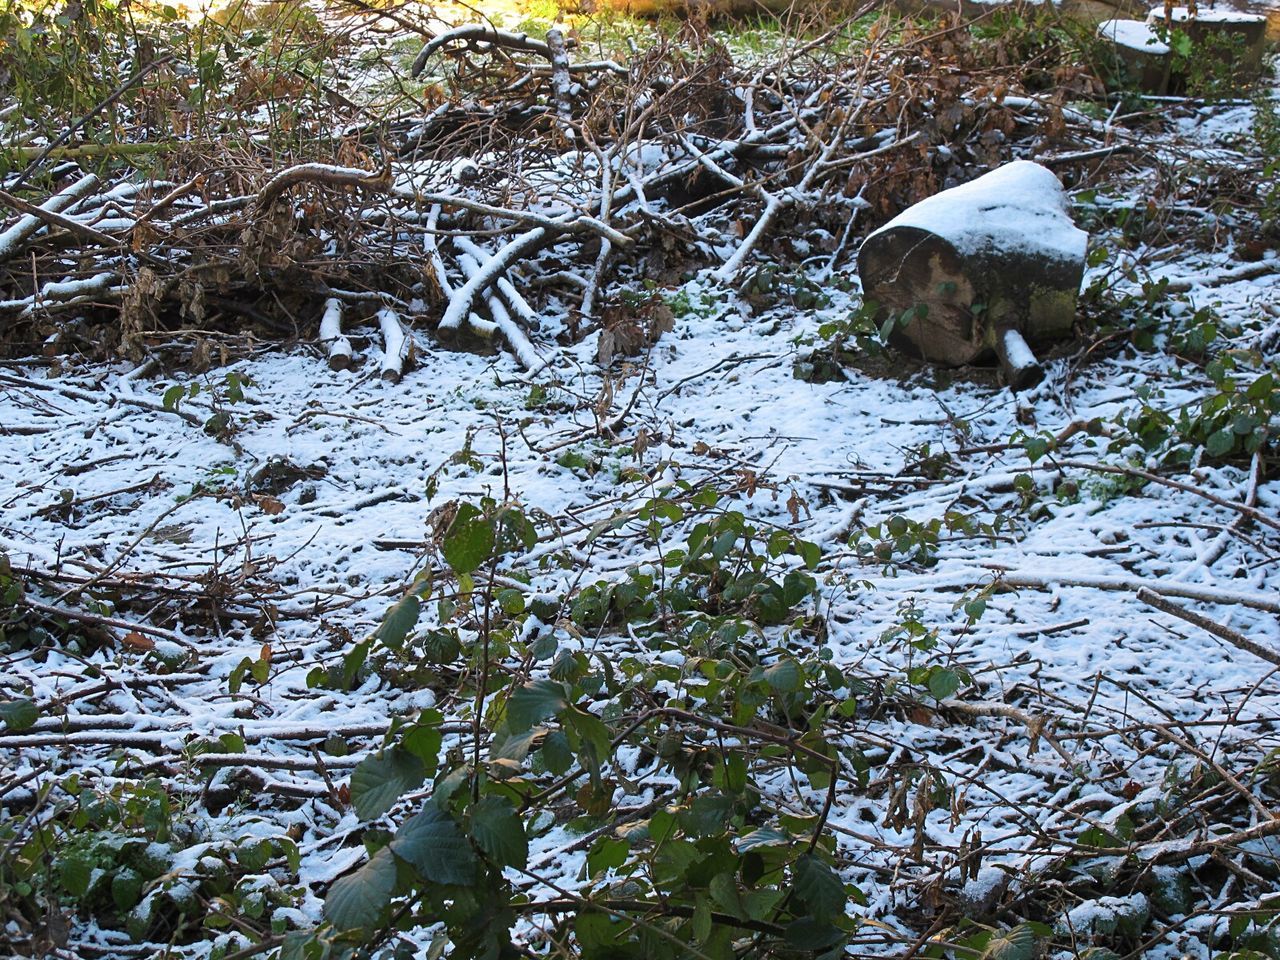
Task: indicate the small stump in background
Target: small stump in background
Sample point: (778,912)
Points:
(1226,45)
(979,269)
(1139,58)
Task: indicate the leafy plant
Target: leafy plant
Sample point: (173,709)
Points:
(1266,133)
(714,864)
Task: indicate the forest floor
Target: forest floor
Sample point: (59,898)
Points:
(1027,738)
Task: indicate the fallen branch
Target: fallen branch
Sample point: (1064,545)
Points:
(100,620)
(1234,637)
(1258,601)
(258,761)
(1248,271)
(489,270)
(12,240)
(1251,512)
(99,396)
(516,339)
(327,174)
(479,33)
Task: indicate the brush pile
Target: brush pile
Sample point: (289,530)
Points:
(512,174)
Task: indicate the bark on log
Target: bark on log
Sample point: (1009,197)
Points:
(980,269)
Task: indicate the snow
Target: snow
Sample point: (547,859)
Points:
(1206,14)
(1018,352)
(716,399)
(1019,206)
(1133,34)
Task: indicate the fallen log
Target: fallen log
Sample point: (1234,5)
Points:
(979,269)
(338,346)
(396,345)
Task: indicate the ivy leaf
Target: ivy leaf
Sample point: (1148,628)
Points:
(435,845)
(535,702)
(469,541)
(381,779)
(358,899)
(400,619)
(819,887)
(18,714)
(499,832)
(1016,944)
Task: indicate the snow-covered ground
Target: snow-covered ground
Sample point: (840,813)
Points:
(317,511)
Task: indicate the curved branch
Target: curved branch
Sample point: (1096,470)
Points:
(478,33)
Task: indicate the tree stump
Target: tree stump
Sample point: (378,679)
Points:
(1139,58)
(1230,40)
(980,269)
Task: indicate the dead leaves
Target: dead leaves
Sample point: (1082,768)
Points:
(136,641)
(627,328)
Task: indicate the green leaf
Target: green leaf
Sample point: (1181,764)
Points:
(943,683)
(1016,944)
(435,845)
(784,677)
(1260,388)
(1220,443)
(358,899)
(701,919)
(1245,423)
(591,731)
(811,934)
(469,541)
(499,832)
(728,895)
(556,753)
(19,714)
(819,887)
(400,619)
(423,740)
(708,815)
(598,934)
(511,601)
(535,702)
(76,872)
(1036,448)
(441,646)
(126,889)
(381,779)
(605,854)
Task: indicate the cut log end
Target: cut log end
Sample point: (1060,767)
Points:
(339,361)
(1021,368)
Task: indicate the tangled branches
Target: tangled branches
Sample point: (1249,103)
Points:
(537,181)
